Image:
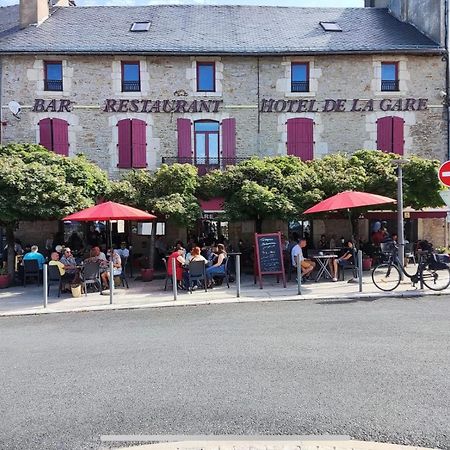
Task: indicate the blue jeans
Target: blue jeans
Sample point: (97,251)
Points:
(211,271)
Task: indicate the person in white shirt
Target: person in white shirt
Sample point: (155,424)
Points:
(306,264)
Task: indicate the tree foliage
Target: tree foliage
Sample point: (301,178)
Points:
(38,184)
(170,191)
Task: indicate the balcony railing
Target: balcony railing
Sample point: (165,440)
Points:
(389,85)
(131,86)
(204,165)
(53,85)
(299,86)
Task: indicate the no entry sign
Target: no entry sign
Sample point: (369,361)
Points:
(444,173)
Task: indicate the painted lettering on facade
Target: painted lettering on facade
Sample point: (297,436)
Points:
(342,105)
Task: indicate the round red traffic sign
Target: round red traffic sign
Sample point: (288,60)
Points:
(444,173)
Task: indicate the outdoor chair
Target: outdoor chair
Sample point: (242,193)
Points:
(197,272)
(224,276)
(91,276)
(54,279)
(123,273)
(31,270)
(409,252)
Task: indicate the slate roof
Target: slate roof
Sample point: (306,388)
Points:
(9,20)
(208,29)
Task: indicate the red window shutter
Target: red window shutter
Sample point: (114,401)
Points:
(384,134)
(229,141)
(124,143)
(45,133)
(139,143)
(184,139)
(60,137)
(398,141)
(300,140)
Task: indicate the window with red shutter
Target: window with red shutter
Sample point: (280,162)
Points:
(300,138)
(60,131)
(390,134)
(184,141)
(124,143)
(228,142)
(138,143)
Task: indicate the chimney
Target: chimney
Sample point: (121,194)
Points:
(33,12)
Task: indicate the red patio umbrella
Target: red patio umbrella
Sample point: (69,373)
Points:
(106,212)
(348,200)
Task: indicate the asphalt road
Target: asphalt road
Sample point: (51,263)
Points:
(374,370)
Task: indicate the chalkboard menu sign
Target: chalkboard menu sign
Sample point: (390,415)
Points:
(269,255)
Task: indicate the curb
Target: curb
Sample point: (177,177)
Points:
(370,296)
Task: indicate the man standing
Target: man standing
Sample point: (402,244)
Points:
(306,264)
(34,254)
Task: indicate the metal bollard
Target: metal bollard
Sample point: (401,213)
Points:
(360,270)
(299,275)
(111,281)
(238,275)
(45,283)
(174,279)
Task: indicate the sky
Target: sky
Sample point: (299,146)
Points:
(308,3)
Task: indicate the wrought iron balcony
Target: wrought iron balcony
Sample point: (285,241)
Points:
(131,86)
(53,85)
(389,85)
(299,86)
(204,165)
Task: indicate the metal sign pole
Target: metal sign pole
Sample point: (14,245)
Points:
(174,279)
(299,275)
(111,280)
(360,271)
(238,275)
(45,283)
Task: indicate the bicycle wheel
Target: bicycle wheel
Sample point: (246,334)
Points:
(386,277)
(436,279)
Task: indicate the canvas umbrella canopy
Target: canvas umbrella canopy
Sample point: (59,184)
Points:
(348,200)
(106,212)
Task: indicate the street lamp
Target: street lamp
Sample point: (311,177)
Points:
(399,163)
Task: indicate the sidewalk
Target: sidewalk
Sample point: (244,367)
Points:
(29,300)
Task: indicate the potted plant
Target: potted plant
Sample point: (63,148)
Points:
(4,278)
(367,262)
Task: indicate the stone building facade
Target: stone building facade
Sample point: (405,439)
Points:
(257,105)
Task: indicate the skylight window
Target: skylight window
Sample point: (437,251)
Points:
(330,26)
(140,26)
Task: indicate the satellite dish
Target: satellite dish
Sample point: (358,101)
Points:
(15,108)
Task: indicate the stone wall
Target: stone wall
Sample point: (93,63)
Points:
(89,81)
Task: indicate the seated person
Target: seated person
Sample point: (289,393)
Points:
(218,265)
(70,265)
(117,268)
(97,256)
(195,256)
(123,251)
(346,259)
(178,256)
(323,242)
(65,277)
(307,266)
(34,254)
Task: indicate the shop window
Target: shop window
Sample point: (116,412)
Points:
(54,135)
(132,144)
(300,77)
(389,76)
(390,135)
(300,140)
(206,77)
(53,76)
(131,79)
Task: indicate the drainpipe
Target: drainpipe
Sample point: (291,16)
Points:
(447,75)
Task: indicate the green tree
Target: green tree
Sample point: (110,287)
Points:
(170,191)
(258,189)
(36,184)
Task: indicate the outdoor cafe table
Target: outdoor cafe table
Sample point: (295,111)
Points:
(322,261)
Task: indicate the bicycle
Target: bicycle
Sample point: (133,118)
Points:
(432,273)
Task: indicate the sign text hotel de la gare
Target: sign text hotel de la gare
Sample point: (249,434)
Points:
(266,106)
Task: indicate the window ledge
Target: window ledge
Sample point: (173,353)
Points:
(300,94)
(386,94)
